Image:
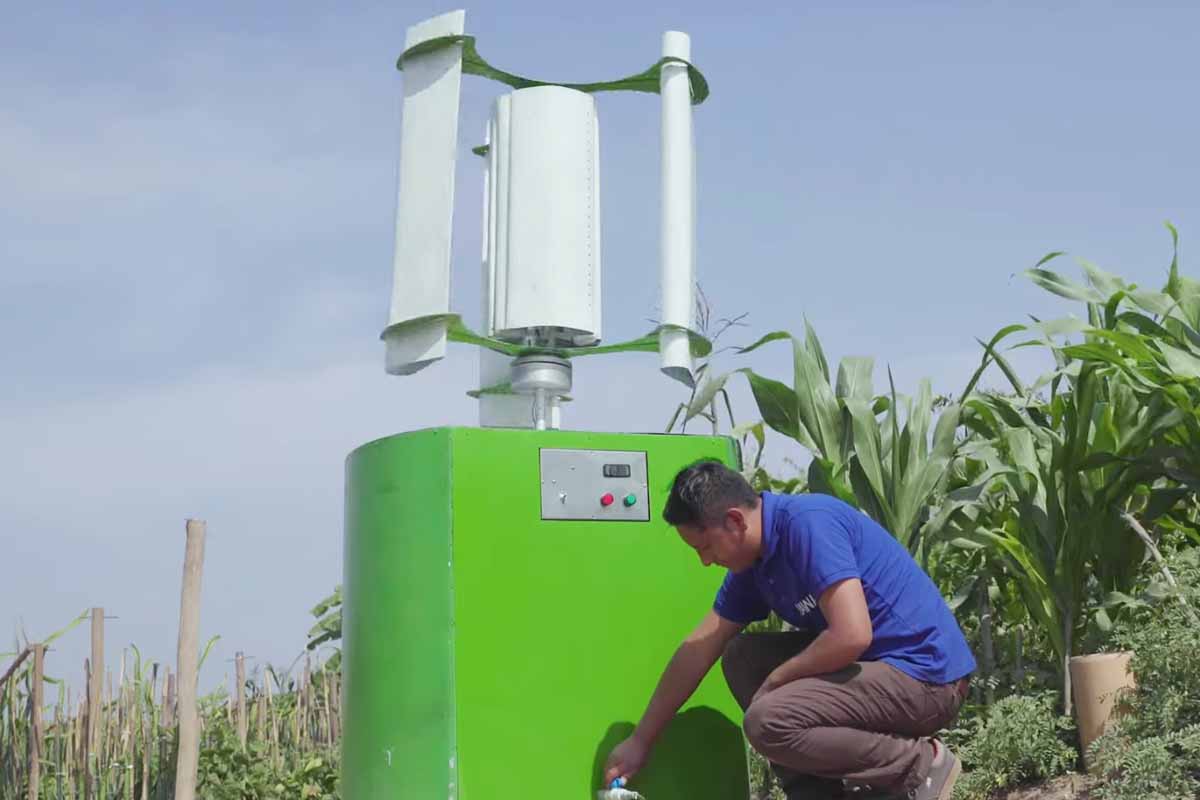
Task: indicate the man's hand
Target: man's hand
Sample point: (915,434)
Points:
(692,660)
(626,760)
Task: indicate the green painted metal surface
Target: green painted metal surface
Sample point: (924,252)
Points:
(397,619)
(490,653)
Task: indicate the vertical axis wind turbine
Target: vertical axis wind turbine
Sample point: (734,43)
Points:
(541,224)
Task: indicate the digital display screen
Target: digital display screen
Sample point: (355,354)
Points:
(616,471)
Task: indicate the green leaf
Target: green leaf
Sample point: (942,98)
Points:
(854,378)
(867,450)
(1181,362)
(329,602)
(989,355)
(204,653)
(1053,282)
(824,477)
(70,626)
(1154,302)
(963,594)
(774,336)
(777,406)
(813,345)
(1106,283)
(816,407)
(1174,285)
(1130,343)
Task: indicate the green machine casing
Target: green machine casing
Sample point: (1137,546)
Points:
(505,623)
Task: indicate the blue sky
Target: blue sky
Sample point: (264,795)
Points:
(196,233)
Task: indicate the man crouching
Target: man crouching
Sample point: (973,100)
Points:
(853,697)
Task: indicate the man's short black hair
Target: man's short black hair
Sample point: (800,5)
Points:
(703,491)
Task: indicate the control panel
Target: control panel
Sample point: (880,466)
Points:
(594,484)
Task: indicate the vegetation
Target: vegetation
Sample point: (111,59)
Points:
(1153,749)
(1059,517)
(1041,512)
(273,737)
(1017,739)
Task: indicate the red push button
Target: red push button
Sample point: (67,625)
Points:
(607,499)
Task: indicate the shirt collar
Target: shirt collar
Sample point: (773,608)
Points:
(770,540)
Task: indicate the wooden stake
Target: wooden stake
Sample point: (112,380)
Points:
(146,744)
(60,740)
(328,708)
(188,662)
(274,723)
(95,683)
(35,726)
(260,715)
(306,702)
(95,680)
(240,674)
(169,691)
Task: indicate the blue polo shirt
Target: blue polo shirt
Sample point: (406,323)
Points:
(810,542)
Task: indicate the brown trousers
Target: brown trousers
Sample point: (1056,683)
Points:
(862,725)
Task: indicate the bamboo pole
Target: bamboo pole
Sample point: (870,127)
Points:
(35,724)
(188,662)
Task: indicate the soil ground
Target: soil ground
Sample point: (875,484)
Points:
(1067,787)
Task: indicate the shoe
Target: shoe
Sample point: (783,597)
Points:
(939,783)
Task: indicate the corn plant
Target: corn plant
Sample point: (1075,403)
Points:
(1151,340)
(1070,469)
(889,467)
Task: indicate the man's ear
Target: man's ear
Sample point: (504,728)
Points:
(736,518)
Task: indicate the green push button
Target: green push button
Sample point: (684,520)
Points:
(630,500)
